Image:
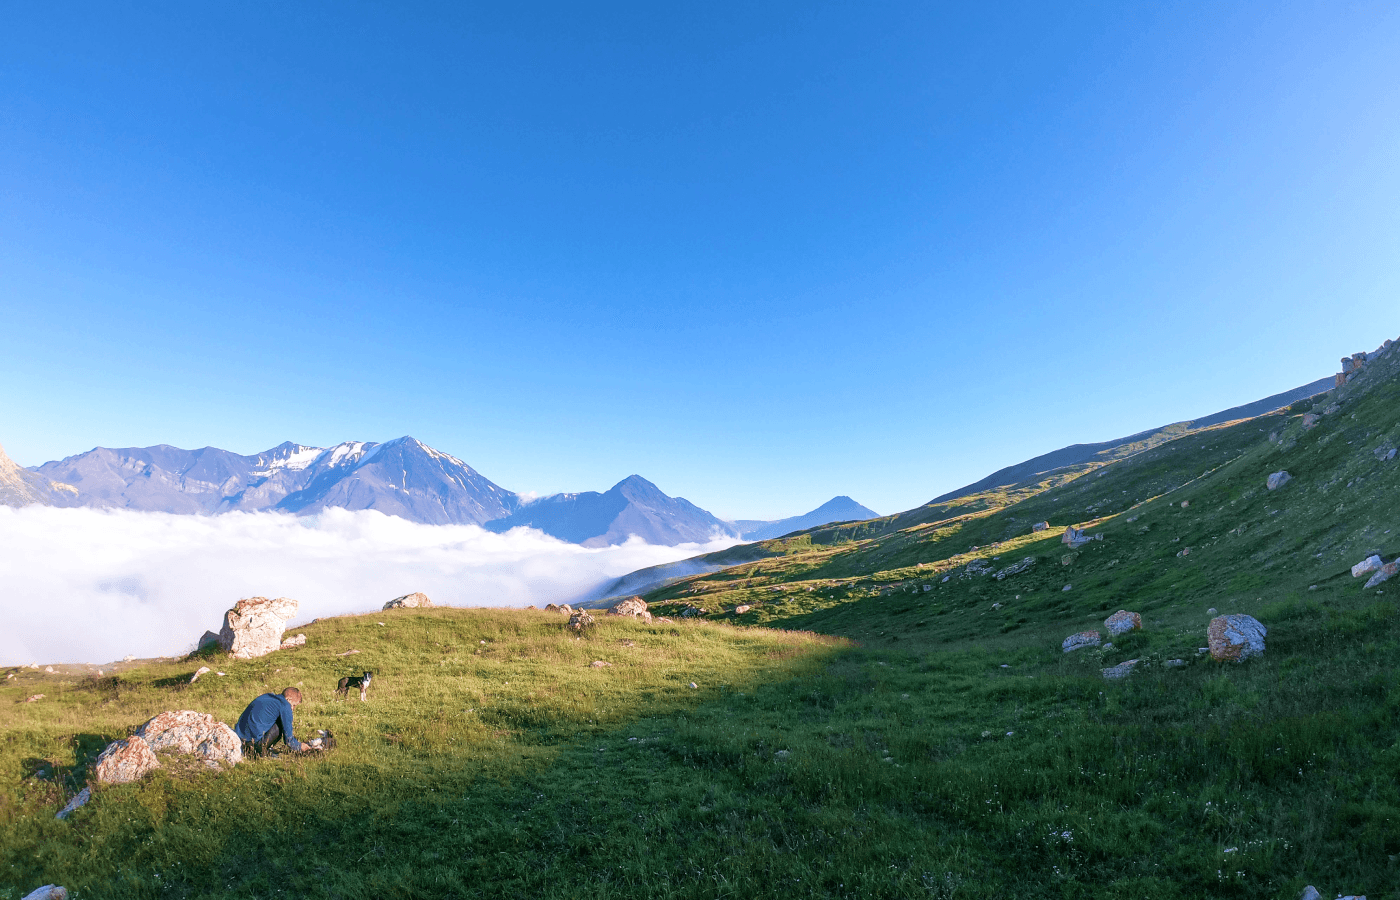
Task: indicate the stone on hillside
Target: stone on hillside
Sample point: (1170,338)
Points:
(33,698)
(410,601)
(1310,893)
(1366,566)
(1384,573)
(1082,639)
(635,607)
(203,670)
(1040,526)
(741,609)
(1278,480)
(691,612)
(48,892)
(193,733)
(289,643)
(1068,587)
(1074,537)
(80,800)
(254,626)
(1310,419)
(978,567)
(600,664)
(1122,622)
(1120,671)
(207,638)
(1015,568)
(580,620)
(125,760)
(1235,637)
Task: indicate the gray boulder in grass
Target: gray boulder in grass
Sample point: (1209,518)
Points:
(1122,622)
(1082,639)
(1384,573)
(1235,637)
(1366,566)
(1278,480)
(1120,671)
(48,892)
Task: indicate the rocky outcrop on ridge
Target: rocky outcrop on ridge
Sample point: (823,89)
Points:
(255,625)
(20,487)
(410,601)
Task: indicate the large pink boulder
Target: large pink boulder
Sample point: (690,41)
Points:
(193,733)
(254,626)
(125,760)
(635,607)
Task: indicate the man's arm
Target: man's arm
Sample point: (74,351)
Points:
(286,722)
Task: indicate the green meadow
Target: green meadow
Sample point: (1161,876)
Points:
(881,722)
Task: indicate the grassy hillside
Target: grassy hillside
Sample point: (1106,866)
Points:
(875,739)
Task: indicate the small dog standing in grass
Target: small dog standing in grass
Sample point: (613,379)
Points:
(354,681)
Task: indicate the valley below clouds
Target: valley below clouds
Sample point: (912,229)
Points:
(93,585)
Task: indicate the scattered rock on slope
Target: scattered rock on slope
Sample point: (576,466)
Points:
(48,892)
(410,601)
(1120,671)
(254,626)
(635,607)
(1384,573)
(1014,569)
(1082,639)
(1366,566)
(1236,637)
(580,620)
(1122,622)
(1278,480)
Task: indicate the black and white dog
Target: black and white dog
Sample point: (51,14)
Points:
(354,681)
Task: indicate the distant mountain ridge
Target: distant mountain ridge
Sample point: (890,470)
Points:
(402,477)
(21,487)
(633,506)
(1079,454)
(837,509)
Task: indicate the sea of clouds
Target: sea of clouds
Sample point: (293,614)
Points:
(87,585)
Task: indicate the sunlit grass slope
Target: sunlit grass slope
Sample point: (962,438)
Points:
(933,743)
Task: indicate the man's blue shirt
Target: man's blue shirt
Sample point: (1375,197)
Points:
(262,714)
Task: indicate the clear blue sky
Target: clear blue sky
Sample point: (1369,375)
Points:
(759,253)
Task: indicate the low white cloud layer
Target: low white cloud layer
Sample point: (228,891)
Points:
(84,585)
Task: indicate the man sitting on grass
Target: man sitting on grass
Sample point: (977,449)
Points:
(267,720)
